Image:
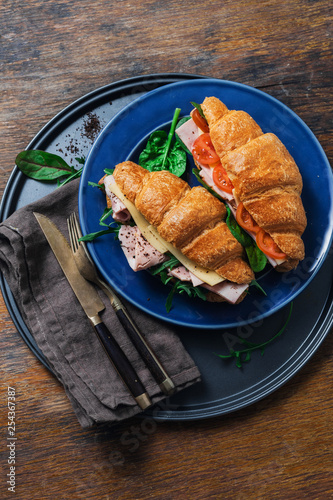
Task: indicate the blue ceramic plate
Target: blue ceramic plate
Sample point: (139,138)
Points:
(125,136)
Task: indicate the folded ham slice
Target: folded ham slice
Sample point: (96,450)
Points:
(139,253)
(120,212)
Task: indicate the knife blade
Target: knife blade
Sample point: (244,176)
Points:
(92,306)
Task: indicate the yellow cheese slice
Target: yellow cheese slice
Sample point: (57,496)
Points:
(209,277)
(139,220)
(152,236)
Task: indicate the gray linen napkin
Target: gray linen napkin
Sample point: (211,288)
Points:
(61,330)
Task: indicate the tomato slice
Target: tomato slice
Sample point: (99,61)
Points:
(221,179)
(203,150)
(266,243)
(245,220)
(199,120)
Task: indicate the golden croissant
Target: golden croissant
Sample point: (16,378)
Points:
(191,219)
(265,177)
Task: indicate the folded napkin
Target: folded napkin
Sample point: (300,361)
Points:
(61,329)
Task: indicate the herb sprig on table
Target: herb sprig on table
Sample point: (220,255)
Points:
(244,355)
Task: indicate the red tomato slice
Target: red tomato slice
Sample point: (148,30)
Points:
(266,243)
(245,220)
(199,121)
(221,179)
(203,150)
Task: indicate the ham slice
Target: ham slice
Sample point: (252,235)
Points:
(120,212)
(230,292)
(188,132)
(181,273)
(139,253)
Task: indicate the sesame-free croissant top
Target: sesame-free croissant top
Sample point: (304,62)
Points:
(265,177)
(191,219)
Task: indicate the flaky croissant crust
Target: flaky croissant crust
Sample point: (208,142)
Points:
(189,218)
(266,178)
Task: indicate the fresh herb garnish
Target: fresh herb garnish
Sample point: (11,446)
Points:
(167,264)
(113,227)
(162,270)
(184,287)
(97,234)
(244,355)
(44,166)
(256,284)
(163,152)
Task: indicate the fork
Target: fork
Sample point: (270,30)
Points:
(88,270)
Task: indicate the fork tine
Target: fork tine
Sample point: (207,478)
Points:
(77,226)
(79,235)
(73,237)
(75,230)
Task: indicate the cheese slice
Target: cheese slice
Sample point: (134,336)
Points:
(209,277)
(139,220)
(152,236)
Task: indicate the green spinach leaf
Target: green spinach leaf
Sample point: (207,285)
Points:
(163,152)
(257,259)
(241,236)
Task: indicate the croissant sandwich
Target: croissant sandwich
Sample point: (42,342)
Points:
(190,220)
(254,173)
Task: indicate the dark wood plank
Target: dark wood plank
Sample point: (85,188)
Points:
(52,53)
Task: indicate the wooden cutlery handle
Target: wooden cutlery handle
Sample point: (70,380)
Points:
(145,352)
(122,365)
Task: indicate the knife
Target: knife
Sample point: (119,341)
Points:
(92,305)
(89,271)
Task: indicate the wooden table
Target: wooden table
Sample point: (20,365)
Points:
(55,52)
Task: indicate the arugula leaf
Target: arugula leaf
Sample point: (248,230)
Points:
(257,258)
(256,284)
(168,264)
(75,175)
(107,212)
(178,286)
(199,108)
(244,355)
(96,184)
(184,287)
(41,165)
(162,152)
(97,234)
